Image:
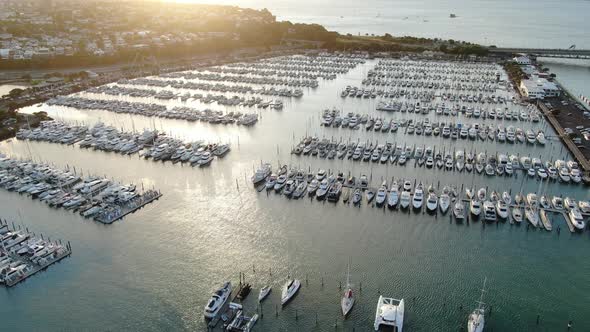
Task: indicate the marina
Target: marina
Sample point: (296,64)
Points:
(149,144)
(396,195)
(23,254)
(380,233)
(93,197)
(437,158)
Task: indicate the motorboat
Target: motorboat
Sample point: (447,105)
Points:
(557,203)
(459,210)
(517,214)
(290,288)
(217,300)
(489,211)
(576,219)
(475,207)
(405,199)
(261,173)
(281,182)
(389,313)
(481,194)
(418,197)
(431,202)
(584,206)
(381,194)
(323,189)
(393,196)
(313,187)
(506,198)
(264,291)
(357,196)
(476,320)
(502,209)
(300,189)
(272,181)
(334,192)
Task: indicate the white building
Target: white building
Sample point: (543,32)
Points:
(539,88)
(531,90)
(522,60)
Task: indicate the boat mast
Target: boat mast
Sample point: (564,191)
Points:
(480,302)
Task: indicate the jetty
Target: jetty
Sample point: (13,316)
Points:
(23,254)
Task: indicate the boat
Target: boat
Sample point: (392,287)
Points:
(476,320)
(418,197)
(290,288)
(432,202)
(576,219)
(381,194)
(264,291)
(389,313)
(241,322)
(393,197)
(370,194)
(272,181)
(347,300)
(545,220)
(444,201)
(313,187)
(281,182)
(261,173)
(404,200)
(335,192)
(557,203)
(489,211)
(517,214)
(459,210)
(357,196)
(475,207)
(532,216)
(502,209)
(300,189)
(322,189)
(217,300)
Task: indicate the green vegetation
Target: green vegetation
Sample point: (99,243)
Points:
(11,121)
(515,73)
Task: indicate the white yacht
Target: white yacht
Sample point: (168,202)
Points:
(393,196)
(418,198)
(404,200)
(459,210)
(476,320)
(517,214)
(432,202)
(290,288)
(390,313)
(475,207)
(502,209)
(489,211)
(381,194)
(261,173)
(444,200)
(576,219)
(217,300)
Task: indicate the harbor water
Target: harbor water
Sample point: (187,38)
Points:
(155,269)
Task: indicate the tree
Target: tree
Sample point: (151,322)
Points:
(16,92)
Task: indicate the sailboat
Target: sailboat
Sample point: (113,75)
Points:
(347,298)
(264,291)
(476,319)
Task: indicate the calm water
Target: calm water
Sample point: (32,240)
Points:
(155,269)
(529,23)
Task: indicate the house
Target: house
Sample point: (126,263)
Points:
(522,60)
